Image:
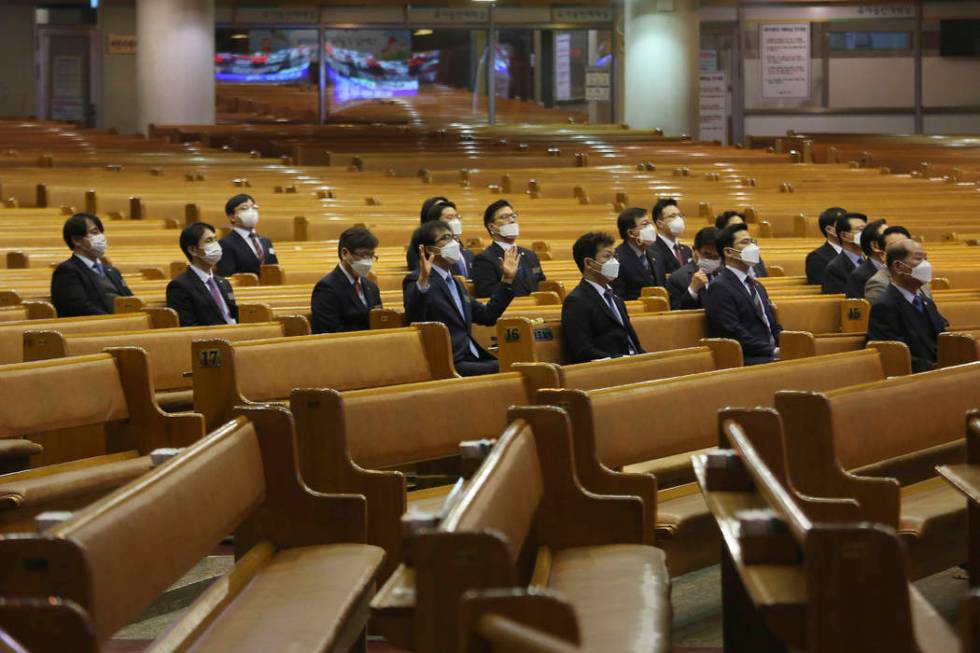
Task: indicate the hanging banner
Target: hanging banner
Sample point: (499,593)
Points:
(785,59)
(563,66)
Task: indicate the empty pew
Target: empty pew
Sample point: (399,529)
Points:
(29,310)
(801,574)
(958,347)
(227,374)
(653,427)
(169,350)
(97,420)
(106,559)
(965,478)
(524,521)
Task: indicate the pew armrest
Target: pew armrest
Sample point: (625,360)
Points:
(313,518)
(669,471)
(618,508)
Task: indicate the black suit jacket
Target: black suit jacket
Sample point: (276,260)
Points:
(677,284)
(76,290)
(238,255)
(590,328)
(412,259)
(731,314)
(760,269)
(192,300)
(816,263)
(487,270)
(894,318)
(836,274)
(336,306)
(667,256)
(856,280)
(437,305)
(632,276)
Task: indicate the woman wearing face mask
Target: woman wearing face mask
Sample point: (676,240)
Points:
(342,300)
(244,250)
(85,284)
(687,285)
(670,227)
(440,208)
(199,296)
(501,222)
(594,320)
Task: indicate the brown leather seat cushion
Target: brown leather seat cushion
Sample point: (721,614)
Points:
(933,524)
(51,491)
(621,593)
(687,533)
(297,602)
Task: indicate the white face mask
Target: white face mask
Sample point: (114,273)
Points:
(212,253)
(648,234)
(676,225)
(922,272)
(457,226)
(451,252)
(509,230)
(362,266)
(751,254)
(856,238)
(709,265)
(249,218)
(610,269)
(98,244)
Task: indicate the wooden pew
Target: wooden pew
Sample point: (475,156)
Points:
(614,429)
(29,310)
(98,440)
(169,350)
(958,347)
(227,374)
(107,557)
(492,627)
(804,574)
(523,520)
(965,478)
(876,442)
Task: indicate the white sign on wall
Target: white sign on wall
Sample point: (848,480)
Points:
(563,66)
(713,102)
(597,83)
(785,59)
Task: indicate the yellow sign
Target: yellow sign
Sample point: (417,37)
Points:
(120,44)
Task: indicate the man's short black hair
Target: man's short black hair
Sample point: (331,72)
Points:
(898,252)
(706,237)
(428,204)
(661,204)
(493,208)
(870,234)
(894,229)
(627,220)
(76,226)
(430,232)
(435,211)
(723,218)
(191,236)
(843,223)
(726,238)
(355,238)
(237,201)
(829,218)
(587,246)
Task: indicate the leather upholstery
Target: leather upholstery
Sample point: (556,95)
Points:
(282,608)
(61,394)
(270,370)
(622,594)
(687,533)
(933,524)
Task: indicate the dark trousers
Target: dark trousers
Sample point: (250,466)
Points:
(470,366)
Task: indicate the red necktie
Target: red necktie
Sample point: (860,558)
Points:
(257,244)
(677,253)
(359,290)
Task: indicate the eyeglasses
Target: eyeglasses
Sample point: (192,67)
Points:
(246,208)
(362,257)
(509,217)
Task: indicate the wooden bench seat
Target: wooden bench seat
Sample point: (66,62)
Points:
(169,350)
(98,440)
(523,520)
(678,418)
(801,573)
(106,558)
(958,347)
(890,458)
(965,478)
(227,374)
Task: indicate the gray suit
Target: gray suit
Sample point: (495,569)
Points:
(878,284)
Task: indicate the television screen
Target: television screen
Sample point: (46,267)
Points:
(959,38)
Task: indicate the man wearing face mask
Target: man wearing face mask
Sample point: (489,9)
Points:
(434,295)
(873,260)
(445,210)
(726,218)
(500,221)
(848,229)
(736,305)
(670,226)
(904,312)
(201,297)
(880,280)
(687,285)
(85,284)
(342,300)
(639,266)
(594,321)
(242,249)
(817,260)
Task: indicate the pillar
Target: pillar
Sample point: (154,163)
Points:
(17,70)
(661,41)
(175,62)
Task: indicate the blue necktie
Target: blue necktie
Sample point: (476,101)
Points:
(919,305)
(98,268)
(454,291)
(462,268)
